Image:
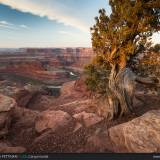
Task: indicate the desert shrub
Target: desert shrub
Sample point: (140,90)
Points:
(97,75)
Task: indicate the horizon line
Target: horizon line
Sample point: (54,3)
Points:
(40,47)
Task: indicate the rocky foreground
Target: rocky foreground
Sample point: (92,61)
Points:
(34,122)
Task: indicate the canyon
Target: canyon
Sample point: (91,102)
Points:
(46,107)
(49,66)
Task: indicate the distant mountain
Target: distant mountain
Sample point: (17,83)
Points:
(9,49)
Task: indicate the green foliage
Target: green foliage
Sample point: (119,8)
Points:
(120,36)
(97,75)
(126,30)
(92,76)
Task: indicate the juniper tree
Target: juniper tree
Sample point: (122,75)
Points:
(116,39)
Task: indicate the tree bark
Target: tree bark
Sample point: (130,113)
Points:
(118,100)
(122,86)
(147,81)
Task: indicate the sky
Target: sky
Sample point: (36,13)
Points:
(49,23)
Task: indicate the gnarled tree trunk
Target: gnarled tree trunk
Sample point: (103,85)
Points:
(120,93)
(121,86)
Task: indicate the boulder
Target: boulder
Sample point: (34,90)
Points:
(5,148)
(81,87)
(97,143)
(40,102)
(78,106)
(85,105)
(67,89)
(141,135)
(52,120)
(77,89)
(88,119)
(7,105)
(24,118)
(23,97)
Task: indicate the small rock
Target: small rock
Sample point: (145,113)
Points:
(5,148)
(6,103)
(52,120)
(12,150)
(88,119)
(77,127)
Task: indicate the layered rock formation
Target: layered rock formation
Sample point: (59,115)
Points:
(21,93)
(45,64)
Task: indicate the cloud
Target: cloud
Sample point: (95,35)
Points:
(8,25)
(63,32)
(52,9)
(5,24)
(24,26)
(156,38)
(67,33)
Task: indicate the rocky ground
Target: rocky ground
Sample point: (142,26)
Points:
(38,123)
